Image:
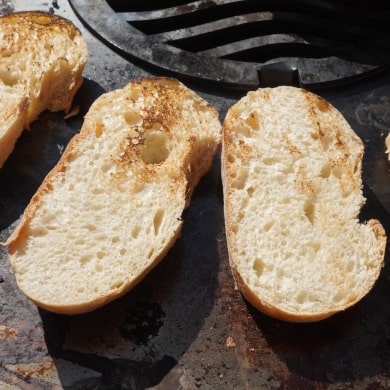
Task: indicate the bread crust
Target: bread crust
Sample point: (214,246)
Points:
(155,139)
(42,57)
(245,127)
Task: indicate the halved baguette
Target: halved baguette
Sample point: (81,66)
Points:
(42,57)
(112,207)
(291,170)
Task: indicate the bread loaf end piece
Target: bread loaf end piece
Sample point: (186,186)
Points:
(291,170)
(112,207)
(42,57)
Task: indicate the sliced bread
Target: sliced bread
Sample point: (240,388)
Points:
(42,57)
(112,207)
(291,171)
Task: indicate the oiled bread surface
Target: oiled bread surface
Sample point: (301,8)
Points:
(42,57)
(112,207)
(291,168)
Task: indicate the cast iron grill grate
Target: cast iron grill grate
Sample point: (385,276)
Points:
(242,44)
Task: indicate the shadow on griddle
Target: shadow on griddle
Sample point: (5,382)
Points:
(36,153)
(136,341)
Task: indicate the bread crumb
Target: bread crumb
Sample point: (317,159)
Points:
(230,343)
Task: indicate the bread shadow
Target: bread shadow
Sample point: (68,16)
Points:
(137,341)
(37,151)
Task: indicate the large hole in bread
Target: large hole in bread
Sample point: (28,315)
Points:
(309,209)
(154,150)
(157,221)
(325,170)
(99,127)
(253,120)
(8,77)
(240,180)
(132,118)
(135,231)
(258,267)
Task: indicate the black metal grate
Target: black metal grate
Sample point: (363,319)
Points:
(242,44)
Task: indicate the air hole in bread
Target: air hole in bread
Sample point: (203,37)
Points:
(315,135)
(316,246)
(325,142)
(309,210)
(301,297)
(267,227)
(270,160)
(135,231)
(115,239)
(99,127)
(98,268)
(338,297)
(253,120)
(116,285)
(133,118)
(150,254)
(282,179)
(240,180)
(80,241)
(250,191)
(350,266)
(122,251)
(154,149)
(231,158)
(157,221)
(70,157)
(89,226)
(85,259)
(337,171)
(41,19)
(106,167)
(258,267)
(100,254)
(38,232)
(80,289)
(9,77)
(356,167)
(326,170)
(244,130)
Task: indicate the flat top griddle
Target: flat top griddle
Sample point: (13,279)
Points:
(185,326)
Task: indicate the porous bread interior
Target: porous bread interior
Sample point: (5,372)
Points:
(292,191)
(42,57)
(113,205)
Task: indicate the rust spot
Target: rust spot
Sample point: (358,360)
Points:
(42,370)
(8,333)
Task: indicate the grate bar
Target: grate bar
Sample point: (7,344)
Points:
(228,42)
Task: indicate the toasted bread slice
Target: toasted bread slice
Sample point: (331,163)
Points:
(112,207)
(291,170)
(42,57)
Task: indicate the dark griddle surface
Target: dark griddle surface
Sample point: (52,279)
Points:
(185,326)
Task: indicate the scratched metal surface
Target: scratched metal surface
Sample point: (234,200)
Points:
(185,326)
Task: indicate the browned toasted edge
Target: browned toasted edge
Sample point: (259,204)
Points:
(256,301)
